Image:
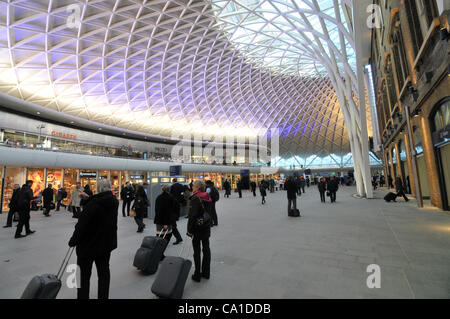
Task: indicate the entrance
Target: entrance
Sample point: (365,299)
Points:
(89,178)
(441,140)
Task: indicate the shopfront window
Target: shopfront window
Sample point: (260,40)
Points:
(13,175)
(115,183)
(54,177)
(89,177)
(37,176)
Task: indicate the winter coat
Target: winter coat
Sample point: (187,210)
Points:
(24,198)
(291,187)
(165,206)
(196,211)
(322,187)
(176,190)
(47,196)
(127,194)
(262,190)
(140,203)
(95,233)
(333,186)
(76,200)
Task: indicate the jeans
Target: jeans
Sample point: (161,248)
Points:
(102,265)
(201,266)
(24,220)
(333,196)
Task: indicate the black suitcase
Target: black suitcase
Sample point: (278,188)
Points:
(390,196)
(294,213)
(171,278)
(46,286)
(149,255)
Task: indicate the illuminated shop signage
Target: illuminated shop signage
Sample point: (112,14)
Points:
(64,135)
(136,176)
(88,174)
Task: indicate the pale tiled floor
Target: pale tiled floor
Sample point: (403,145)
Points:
(258,252)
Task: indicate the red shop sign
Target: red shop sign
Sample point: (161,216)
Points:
(64,135)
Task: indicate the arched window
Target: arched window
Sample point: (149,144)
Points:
(401,147)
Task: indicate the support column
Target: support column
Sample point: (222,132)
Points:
(412,151)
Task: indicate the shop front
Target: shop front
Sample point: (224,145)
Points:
(70,181)
(116,183)
(37,176)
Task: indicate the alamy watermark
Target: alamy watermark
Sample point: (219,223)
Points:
(374,279)
(375,19)
(73,278)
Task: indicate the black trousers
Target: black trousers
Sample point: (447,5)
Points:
(58,205)
(24,220)
(76,211)
(10,216)
(303,188)
(167,239)
(139,219)
(322,197)
(402,194)
(103,274)
(202,266)
(126,202)
(175,232)
(47,210)
(333,196)
(263,199)
(254,192)
(240,193)
(214,213)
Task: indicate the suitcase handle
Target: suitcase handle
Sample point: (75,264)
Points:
(167,230)
(65,262)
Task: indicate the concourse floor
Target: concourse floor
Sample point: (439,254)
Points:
(259,252)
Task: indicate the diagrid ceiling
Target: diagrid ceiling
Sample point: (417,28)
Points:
(209,66)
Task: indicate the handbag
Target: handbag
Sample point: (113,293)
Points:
(205,219)
(328,193)
(132,213)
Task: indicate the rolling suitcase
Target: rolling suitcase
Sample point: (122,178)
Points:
(294,213)
(149,255)
(171,278)
(46,286)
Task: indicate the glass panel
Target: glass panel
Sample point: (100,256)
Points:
(37,176)
(54,177)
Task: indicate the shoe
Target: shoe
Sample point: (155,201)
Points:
(205,276)
(162,258)
(140,230)
(20,236)
(31,232)
(196,278)
(7,226)
(177,242)
(47,215)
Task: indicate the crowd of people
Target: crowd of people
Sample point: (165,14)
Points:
(95,234)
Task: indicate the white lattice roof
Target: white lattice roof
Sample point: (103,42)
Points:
(217,67)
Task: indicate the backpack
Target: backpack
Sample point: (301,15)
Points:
(214,194)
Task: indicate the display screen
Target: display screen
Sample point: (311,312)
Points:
(165,180)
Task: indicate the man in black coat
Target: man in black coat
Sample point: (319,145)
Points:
(13,204)
(227,187)
(127,195)
(333,187)
(165,216)
(291,187)
(95,237)
(253,187)
(176,190)
(24,199)
(400,188)
(322,189)
(239,187)
(47,196)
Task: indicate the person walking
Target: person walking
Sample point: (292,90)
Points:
(47,196)
(214,194)
(127,195)
(227,187)
(95,237)
(165,206)
(176,190)
(253,187)
(333,187)
(13,205)
(24,199)
(239,187)
(262,190)
(400,188)
(322,189)
(302,184)
(199,229)
(291,188)
(60,197)
(140,207)
(76,200)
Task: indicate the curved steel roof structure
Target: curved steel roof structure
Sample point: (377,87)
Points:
(230,67)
